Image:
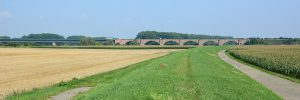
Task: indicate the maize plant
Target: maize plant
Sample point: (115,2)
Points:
(280,59)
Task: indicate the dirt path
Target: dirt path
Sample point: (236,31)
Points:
(67,95)
(284,88)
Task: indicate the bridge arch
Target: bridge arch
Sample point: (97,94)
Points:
(152,43)
(210,43)
(231,43)
(171,43)
(132,43)
(190,43)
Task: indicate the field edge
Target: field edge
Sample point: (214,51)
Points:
(264,70)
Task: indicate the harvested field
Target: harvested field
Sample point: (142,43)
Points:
(27,68)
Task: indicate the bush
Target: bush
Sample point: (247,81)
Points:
(87,41)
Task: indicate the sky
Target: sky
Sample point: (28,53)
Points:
(125,18)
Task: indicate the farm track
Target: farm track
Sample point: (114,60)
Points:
(68,95)
(287,89)
(27,68)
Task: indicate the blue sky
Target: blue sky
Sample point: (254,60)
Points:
(125,18)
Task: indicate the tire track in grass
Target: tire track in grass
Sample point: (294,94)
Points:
(191,77)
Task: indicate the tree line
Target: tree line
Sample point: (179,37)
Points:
(273,41)
(52,36)
(84,40)
(174,35)
(140,35)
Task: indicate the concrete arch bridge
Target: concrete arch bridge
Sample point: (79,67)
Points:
(199,42)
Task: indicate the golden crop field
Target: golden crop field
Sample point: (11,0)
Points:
(281,59)
(27,68)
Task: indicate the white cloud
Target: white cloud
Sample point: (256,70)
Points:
(5,14)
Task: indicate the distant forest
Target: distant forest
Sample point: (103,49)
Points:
(43,36)
(273,41)
(140,35)
(174,35)
(52,36)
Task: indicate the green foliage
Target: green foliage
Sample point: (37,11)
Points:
(108,42)
(289,41)
(19,44)
(62,84)
(4,37)
(280,59)
(171,43)
(230,43)
(174,35)
(43,36)
(190,43)
(273,41)
(210,43)
(194,74)
(132,43)
(76,37)
(13,44)
(152,43)
(87,41)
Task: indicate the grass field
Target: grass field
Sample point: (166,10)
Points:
(189,74)
(280,59)
(25,68)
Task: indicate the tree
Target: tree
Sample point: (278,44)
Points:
(289,41)
(4,37)
(43,36)
(76,37)
(87,41)
(254,41)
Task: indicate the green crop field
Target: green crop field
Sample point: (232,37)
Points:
(194,74)
(281,59)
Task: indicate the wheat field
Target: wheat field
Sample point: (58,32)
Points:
(27,68)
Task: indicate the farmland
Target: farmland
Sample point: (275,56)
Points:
(196,73)
(280,59)
(28,68)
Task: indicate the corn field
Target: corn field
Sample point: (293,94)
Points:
(281,59)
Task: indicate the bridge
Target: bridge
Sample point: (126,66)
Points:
(199,42)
